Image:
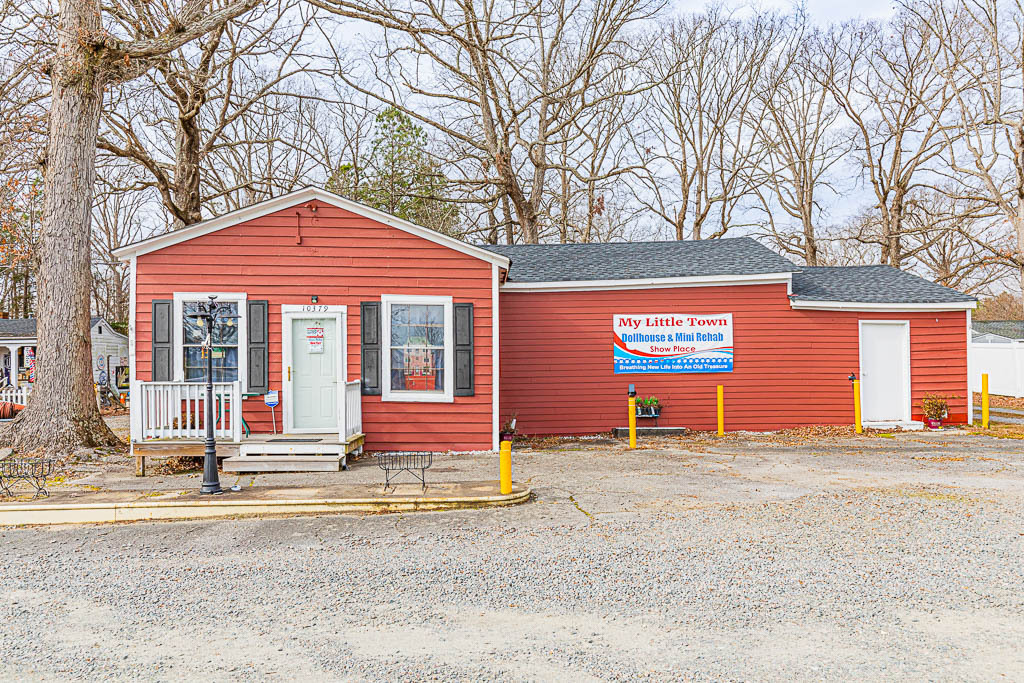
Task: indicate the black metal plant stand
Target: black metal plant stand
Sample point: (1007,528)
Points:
(207,315)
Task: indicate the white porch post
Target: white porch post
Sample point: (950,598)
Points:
(14,364)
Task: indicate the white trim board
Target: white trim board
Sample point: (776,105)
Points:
(651,283)
(387,393)
(297,197)
(969,395)
(808,305)
(291,312)
(495,358)
(134,413)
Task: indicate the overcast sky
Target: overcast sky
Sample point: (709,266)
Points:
(822,11)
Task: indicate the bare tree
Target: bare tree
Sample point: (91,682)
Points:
(804,141)
(504,79)
(976,49)
(702,142)
(86,58)
(192,104)
(118,219)
(948,236)
(880,76)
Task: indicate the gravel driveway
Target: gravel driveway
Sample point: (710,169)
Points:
(753,557)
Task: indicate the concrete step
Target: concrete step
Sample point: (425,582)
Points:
(623,432)
(284,463)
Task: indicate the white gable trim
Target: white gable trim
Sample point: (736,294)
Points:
(306,194)
(810,305)
(110,330)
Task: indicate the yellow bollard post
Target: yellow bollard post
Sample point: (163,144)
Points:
(984,400)
(505,467)
(857,426)
(632,421)
(721,410)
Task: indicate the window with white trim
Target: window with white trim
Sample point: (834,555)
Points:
(224,344)
(228,338)
(417,353)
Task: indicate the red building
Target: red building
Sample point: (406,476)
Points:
(371,329)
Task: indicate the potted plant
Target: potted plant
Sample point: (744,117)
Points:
(935,407)
(648,407)
(508,429)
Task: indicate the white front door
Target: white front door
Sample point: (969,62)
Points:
(885,371)
(314,381)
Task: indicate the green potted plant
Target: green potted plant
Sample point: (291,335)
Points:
(648,407)
(935,408)
(508,428)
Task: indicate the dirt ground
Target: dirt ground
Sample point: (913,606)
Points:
(806,555)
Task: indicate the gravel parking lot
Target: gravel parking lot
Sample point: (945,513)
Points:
(752,557)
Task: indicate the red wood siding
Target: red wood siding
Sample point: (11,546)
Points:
(790,366)
(343,259)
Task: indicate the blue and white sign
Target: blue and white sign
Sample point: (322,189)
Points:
(672,342)
(270,398)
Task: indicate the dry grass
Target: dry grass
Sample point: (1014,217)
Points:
(1000,401)
(1000,431)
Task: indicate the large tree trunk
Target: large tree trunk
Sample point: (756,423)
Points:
(62,414)
(186,173)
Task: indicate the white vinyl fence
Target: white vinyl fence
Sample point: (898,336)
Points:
(17,395)
(1004,364)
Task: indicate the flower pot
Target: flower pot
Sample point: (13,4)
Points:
(506,436)
(934,423)
(648,411)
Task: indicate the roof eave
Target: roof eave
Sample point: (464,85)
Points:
(868,306)
(649,283)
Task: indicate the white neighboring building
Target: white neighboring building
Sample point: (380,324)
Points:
(18,346)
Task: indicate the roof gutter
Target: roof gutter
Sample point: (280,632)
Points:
(652,283)
(813,305)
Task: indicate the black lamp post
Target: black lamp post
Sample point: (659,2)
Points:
(207,314)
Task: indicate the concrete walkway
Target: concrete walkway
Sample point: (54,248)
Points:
(78,506)
(1005,415)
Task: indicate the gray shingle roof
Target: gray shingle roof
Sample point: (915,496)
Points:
(1012,329)
(733,256)
(16,328)
(634,260)
(870,284)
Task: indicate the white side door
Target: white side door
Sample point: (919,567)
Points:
(885,370)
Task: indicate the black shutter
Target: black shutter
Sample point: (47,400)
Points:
(259,347)
(369,330)
(163,340)
(463,349)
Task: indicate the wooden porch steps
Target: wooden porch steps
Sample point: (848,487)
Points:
(284,463)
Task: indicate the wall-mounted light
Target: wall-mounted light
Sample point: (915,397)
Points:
(313,299)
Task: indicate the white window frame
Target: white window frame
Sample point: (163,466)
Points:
(339,314)
(387,393)
(243,330)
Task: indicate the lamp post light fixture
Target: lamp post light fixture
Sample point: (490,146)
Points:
(208,314)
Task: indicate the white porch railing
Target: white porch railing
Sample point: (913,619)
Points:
(17,395)
(177,410)
(353,409)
